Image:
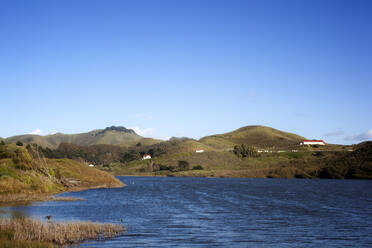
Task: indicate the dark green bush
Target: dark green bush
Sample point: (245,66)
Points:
(198,167)
(163,167)
(183,165)
(4,153)
(318,154)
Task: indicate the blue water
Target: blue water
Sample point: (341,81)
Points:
(221,212)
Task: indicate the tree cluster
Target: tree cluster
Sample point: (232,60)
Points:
(243,151)
(101,154)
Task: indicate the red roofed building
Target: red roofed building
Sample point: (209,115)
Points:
(312,142)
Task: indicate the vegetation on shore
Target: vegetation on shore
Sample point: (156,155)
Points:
(26,232)
(25,174)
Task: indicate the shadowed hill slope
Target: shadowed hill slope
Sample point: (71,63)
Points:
(258,136)
(353,165)
(111,136)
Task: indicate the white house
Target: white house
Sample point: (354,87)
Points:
(146,156)
(199,151)
(312,142)
(91,165)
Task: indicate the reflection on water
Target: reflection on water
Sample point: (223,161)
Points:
(204,212)
(14,213)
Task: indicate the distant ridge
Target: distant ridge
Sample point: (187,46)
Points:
(114,135)
(258,136)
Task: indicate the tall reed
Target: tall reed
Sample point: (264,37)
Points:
(60,233)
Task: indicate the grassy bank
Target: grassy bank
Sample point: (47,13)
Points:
(25,232)
(25,175)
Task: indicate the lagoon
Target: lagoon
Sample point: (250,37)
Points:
(223,212)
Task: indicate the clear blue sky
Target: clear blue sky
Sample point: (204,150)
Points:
(187,68)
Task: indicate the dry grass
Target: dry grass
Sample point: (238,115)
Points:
(17,199)
(68,198)
(6,243)
(60,233)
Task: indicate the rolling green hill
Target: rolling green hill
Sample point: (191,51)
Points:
(258,136)
(111,135)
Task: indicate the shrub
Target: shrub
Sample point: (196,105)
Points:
(7,172)
(198,167)
(19,143)
(166,167)
(22,159)
(318,154)
(183,165)
(163,167)
(4,153)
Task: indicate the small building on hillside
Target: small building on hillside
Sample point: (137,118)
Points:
(146,156)
(91,165)
(312,142)
(199,151)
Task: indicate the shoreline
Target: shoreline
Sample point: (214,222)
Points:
(192,176)
(8,200)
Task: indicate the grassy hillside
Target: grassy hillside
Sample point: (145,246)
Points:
(139,142)
(111,135)
(184,145)
(258,136)
(221,164)
(309,162)
(24,171)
